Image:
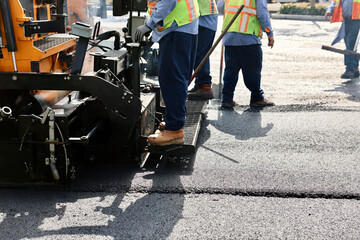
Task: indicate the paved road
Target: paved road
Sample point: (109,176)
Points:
(286,172)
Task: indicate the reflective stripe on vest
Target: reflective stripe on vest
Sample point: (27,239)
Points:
(185,12)
(207,7)
(337,13)
(151,5)
(247,21)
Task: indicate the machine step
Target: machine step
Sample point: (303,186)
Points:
(194,117)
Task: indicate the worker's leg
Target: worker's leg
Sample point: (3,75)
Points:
(205,40)
(202,89)
(231,73)
(251,65)
(176,61)
(351,32)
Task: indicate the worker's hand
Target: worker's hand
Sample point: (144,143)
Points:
(271,42)
(327,16)
(141,31)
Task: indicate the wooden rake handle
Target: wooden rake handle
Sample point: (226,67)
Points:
(215,44)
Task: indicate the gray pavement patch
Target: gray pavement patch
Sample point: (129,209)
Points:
(51,215)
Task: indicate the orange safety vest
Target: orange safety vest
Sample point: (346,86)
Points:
(151,5)
(337,13)
(247,21)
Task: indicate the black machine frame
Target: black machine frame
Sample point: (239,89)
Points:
(106,117)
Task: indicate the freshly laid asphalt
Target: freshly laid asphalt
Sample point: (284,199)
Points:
(285,172)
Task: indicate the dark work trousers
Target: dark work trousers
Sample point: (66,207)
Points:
(351,32)
(249,59)
(205,40)
(176,62)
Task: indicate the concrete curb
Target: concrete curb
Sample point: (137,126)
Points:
(297,17)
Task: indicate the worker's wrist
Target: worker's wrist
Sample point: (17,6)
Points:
(270,35)
(150,24)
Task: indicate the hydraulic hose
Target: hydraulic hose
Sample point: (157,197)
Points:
(9,29)
(8,26)
(109,34)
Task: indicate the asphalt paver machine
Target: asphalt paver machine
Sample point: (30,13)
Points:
(56,118)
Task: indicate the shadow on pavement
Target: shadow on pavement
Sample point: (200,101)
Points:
(350,87)
(297,29)
(243,126)
(109,212)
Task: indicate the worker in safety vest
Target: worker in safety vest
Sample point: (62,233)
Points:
(347,11)
(175,26)
(207,29)
(243,48)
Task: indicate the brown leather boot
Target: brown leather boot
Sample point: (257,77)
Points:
(167,137)
(263,103)
(204,92)
(162,126)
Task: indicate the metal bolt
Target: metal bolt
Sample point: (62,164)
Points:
(80,78)
(14,77)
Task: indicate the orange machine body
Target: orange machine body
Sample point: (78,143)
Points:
(27,52)
(41,50)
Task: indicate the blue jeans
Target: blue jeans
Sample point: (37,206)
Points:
(205,40)
(176,62)
(249,59)
(351,32)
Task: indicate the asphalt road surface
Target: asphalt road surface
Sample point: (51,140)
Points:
(286,172)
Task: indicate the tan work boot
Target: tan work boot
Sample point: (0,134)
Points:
(167,137)
(229,105)
(263,103)
(160,128)
(203,92)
